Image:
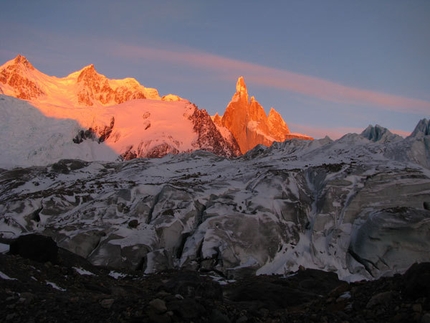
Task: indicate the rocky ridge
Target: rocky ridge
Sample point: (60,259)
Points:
(96,87)
(19,78)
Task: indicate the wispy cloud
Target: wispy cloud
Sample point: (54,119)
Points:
(281,79)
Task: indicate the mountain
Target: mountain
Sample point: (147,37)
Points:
(246,119)
(107,119)
(86,87)
(136,128)
(378,133)
(422,128)
(133,120)
(353,206)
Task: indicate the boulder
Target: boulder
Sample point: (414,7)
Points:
(35,247)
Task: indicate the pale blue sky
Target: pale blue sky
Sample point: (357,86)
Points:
(328,66)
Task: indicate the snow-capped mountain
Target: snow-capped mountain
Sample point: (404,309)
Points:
(246,119)
(20,79)
(378,133)
(355,206)
(137,128)
(130,119)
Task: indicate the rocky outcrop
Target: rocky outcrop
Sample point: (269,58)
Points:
(171,97)
(95,87)
(35,247)
(97,133)
(247,121)
(17,76)
(209,138)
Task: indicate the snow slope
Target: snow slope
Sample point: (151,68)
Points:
(136,128)
(30,138)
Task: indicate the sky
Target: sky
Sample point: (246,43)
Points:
(329,67)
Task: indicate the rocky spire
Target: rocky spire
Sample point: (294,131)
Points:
(241,91)
(248,122)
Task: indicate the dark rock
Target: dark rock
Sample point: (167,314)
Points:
(277,293)
(158,305)
(417,281)
(187,309)
(380,299)
(425,318)
(107,303)
(270,295)
(218,317)
(35,247)
(133,224)
(190,284)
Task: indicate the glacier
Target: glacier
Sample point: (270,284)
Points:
(357,206)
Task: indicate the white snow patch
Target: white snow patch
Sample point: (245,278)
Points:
(82,271)
(116,275)
(4,248)
(55,286)
(6,277)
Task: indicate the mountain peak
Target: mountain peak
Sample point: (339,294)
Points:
(422,128)
(240,85)
(378,133)
(22,60)
(87,72)
(249,124)
(17,74)
(241,90)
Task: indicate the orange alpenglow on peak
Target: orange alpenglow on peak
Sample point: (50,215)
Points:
(249,124)
(18,78)
(22,60)
(241,90)
(85,87)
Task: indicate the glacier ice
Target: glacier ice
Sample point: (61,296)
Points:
(353,206)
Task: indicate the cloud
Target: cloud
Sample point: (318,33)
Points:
(276,78)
